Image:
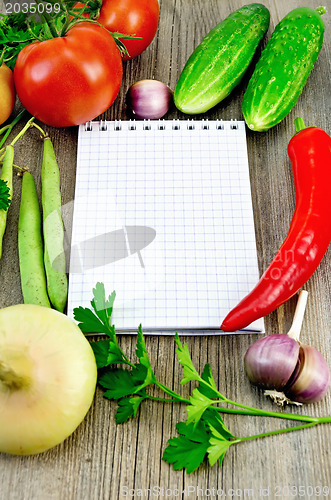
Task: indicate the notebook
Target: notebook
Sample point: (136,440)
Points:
(163,216)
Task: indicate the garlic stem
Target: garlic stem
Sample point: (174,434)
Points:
(294,331)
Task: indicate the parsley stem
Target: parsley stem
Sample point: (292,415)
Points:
(165,400)
(244,409)
(257,411)
(283,431)
(171,392)
(265,413)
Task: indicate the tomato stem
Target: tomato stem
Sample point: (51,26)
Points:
(48,22)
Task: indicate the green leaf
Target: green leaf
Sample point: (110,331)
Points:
(198,405)
(141,350)
(189,449)
(208,386)
(87,321)
(103,308)
(127,408)
(185,360)
(120,383)
(4,195)
(213,418)
(143,357)
(17,31)
(218,446)
(107,353)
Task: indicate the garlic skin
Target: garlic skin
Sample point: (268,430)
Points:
(270,361)
(47,378)
(291,372)
(149,99)
(313,379)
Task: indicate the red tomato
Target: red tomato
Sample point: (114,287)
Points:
(7,93)
(72,79)
(138,17)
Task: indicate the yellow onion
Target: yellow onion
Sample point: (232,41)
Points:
(47,378)
(280,362)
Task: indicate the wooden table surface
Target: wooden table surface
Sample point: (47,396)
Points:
(104,461)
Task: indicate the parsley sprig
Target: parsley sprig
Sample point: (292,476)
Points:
(4,195)
(204,433)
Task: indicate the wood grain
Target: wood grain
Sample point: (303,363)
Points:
(102,460)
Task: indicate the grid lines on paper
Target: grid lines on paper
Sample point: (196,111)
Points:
(168,219)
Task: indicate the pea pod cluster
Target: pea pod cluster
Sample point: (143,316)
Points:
(40,238)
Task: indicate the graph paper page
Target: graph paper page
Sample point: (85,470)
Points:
(163,216)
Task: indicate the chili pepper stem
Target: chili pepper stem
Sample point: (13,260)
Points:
(294,331)
(299,124)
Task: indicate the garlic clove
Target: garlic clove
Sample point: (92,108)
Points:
(149,99)
(313,378)
(270,361)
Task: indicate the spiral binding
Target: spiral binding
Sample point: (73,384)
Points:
(117,125)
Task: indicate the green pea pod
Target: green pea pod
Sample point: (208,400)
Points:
(54,256)
(283,69)
(7,176)
(30,246)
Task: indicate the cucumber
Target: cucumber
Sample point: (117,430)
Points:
(218,64)
(283,69)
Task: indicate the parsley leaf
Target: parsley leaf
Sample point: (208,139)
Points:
(207,385)
(100,320)
(87,321)
(185,360)
(103,308)
(121,383)
(198,405)
(107,353)
(219,440)
(4,195)
(143,357)
(128,407)
(190,448)
(17,31)
(208,437)
(218,447)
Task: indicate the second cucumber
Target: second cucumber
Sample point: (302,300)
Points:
(218,64)
(282,71)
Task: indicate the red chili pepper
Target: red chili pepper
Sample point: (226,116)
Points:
(309,234)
